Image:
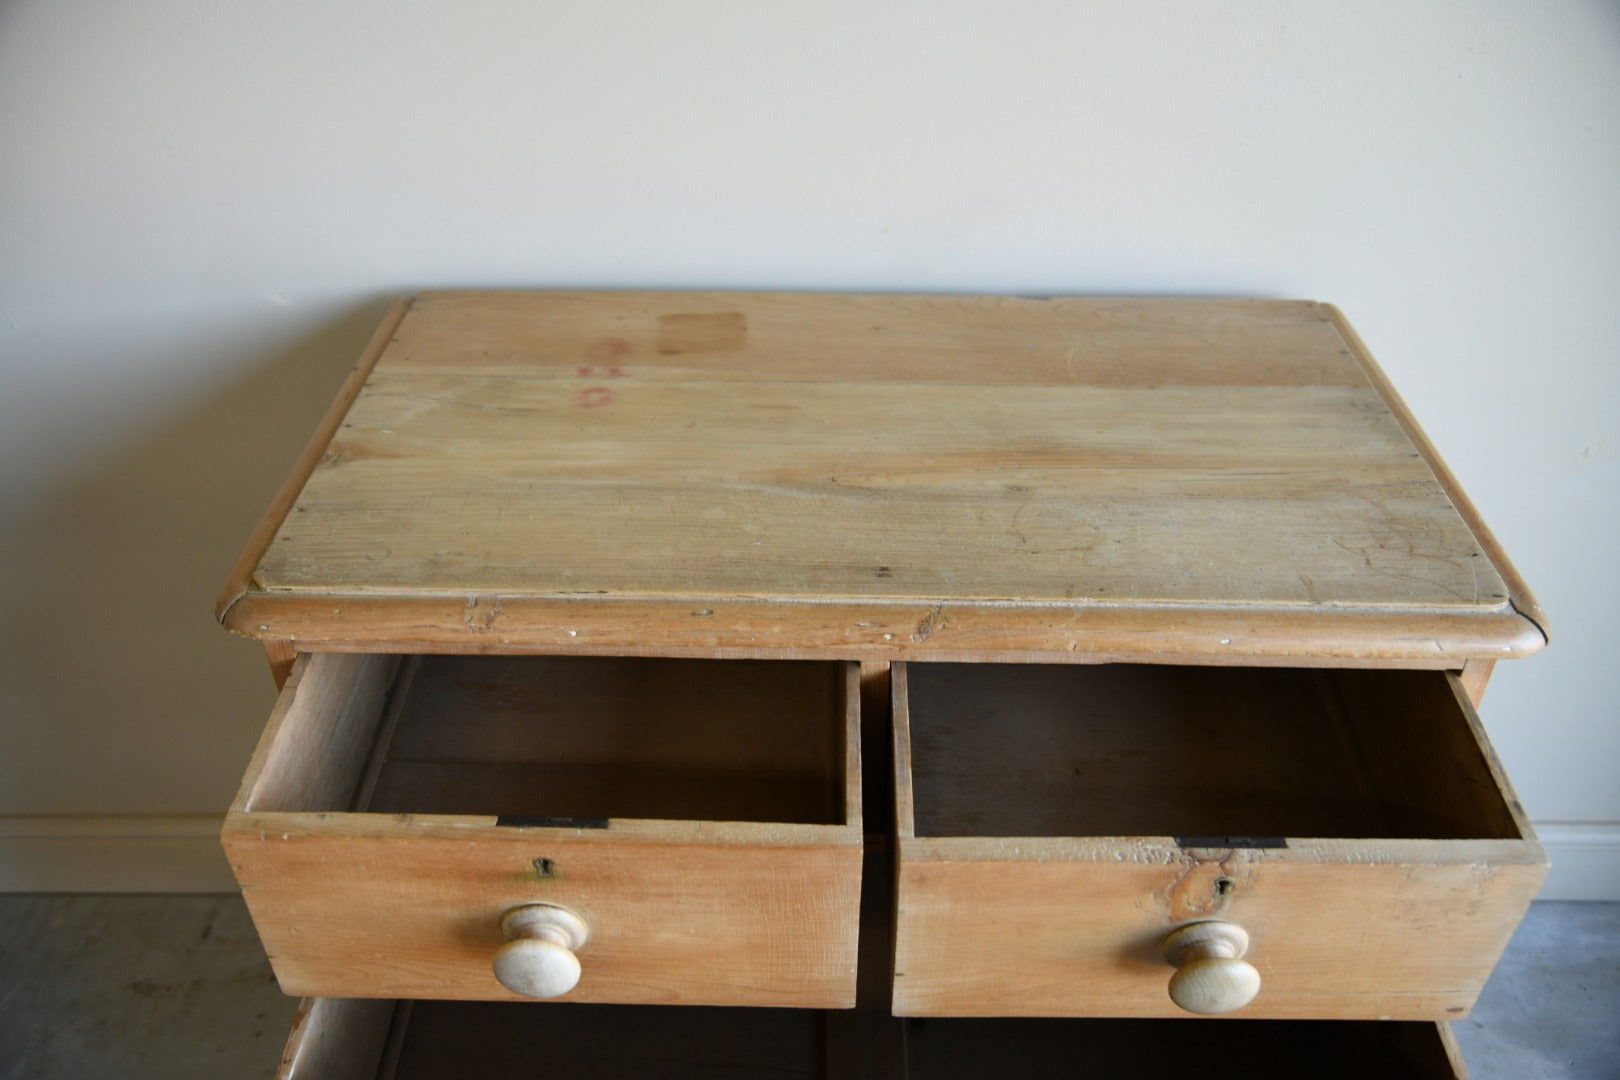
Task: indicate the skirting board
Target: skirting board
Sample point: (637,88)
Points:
(181,854)
(134,853)
(1585,859)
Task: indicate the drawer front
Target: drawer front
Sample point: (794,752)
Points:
(335,1039)
(394,903)
(1394,897)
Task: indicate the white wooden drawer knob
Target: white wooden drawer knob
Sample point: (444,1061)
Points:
(539,960)
(1212,976)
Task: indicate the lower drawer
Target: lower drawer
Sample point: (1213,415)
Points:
(336,1039)
(681,832)
(1282,843)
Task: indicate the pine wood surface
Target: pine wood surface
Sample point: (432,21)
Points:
(1401,910)
(681,911)
(265,532)
(724,474)
(336,1039)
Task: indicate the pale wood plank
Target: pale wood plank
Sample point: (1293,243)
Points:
(280,654)
(767,454)
(1282,497)
(905,770)
(336,1039)
(1475,676)
(1522,598)
(973,340)
(241,577)
(1403,938)
(1453,1052)
(878,630)
(319,735)
(851,739)
(383,744)
(1354,927)
(680,911)
(703,923)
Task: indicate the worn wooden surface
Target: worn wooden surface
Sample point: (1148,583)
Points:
(313,751)
(1398,907)
(1475,675)
(336,1039)
(265,532)
(882,477)
(401,904)
(280,654)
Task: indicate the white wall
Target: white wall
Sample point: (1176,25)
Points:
(202,206)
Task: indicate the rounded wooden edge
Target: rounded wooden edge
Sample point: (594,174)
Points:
(921,629)
(1522,599)
(241,576)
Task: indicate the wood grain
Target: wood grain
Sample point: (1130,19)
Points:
(770,454)
(1401,911)
(264,533)
(707,921)
(681,911)
(336,1039)
(809,629)
(279,653)
(1521,597)
(1475,675)
(314,748)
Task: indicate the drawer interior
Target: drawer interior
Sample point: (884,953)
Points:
(550,740)
(1137,750)
(440,1038)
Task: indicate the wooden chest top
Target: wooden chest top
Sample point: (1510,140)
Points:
(877,476)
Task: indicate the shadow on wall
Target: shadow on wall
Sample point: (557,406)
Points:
(122,694)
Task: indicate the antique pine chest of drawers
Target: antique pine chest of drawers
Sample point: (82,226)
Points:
(972,681)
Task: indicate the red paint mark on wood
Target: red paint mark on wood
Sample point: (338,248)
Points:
(594,397)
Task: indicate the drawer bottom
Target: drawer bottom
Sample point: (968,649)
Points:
(347,1039)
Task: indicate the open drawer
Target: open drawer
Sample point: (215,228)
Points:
(335,1039)
(658,831)
(1321,844)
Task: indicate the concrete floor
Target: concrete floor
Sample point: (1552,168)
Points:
(176,986)
(135,986)
(1552,1007)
